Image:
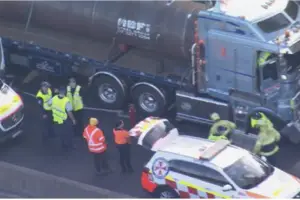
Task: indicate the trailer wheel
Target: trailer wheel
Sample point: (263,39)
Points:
(148,99)
(111,91)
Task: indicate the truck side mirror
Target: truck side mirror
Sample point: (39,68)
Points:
(227,188)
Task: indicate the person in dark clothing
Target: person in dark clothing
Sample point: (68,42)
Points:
(75,94)
(122,140)
(43,96)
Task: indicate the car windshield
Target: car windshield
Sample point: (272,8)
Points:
(274,23)
(292,10)
(249,171)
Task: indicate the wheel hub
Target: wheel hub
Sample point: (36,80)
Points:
(147,102)
(107,93)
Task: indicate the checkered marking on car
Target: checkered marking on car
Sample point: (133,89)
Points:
(186,190)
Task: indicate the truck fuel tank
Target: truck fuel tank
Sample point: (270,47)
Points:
(162,26)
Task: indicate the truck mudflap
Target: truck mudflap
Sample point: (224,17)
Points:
(292,131)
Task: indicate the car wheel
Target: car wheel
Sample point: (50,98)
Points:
(167,193)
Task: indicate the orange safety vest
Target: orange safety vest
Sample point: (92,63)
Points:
(95,139)
(121,136)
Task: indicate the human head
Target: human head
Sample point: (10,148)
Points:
(62,91)
(72,82)
(215,116)
(93,121)
(45,86)
(120,124)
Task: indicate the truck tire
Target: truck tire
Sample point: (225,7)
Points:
(148,99)
(111,91)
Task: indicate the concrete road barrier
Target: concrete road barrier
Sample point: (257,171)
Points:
(41,185)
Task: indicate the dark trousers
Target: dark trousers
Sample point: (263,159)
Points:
(125,157)
(273,159)
(65,133)
(79,127)
(101,161)
(48,126)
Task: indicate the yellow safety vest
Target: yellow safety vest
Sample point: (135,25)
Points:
(59,109)
(45,97)
(263,57)
(264,117)
(76,99)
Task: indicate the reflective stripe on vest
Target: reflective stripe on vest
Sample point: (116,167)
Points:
(94,146)
(45,97)
(76,99)
(121,136)
(59,109)
(263,58)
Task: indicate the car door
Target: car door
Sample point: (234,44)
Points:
(198,181)
(153,133)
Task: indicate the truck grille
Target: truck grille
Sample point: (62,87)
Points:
(13,119)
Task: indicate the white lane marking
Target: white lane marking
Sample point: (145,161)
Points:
(86,108)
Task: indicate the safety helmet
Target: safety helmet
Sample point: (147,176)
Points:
(257,115)
(45,84)
(93,121)
(215,116)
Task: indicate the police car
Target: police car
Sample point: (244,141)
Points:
(190,167)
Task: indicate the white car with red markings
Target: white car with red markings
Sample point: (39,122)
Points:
(190,167)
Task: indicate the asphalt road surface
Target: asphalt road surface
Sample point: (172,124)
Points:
(28,151)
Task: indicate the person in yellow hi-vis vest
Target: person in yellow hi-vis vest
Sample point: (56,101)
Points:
(63,118)
(263,58)
(255,118)
(75,93)
(221,129)
(267,143)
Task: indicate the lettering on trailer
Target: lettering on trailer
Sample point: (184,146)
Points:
(45,66)
(134,28)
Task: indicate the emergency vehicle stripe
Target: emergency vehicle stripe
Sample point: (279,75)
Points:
(187,190)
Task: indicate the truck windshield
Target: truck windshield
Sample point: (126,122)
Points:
(249,171)
(274,23)
(292,10)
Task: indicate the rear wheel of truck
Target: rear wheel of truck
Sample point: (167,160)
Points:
(148,99)
(111,91)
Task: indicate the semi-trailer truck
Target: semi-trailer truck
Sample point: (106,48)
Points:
(200,57)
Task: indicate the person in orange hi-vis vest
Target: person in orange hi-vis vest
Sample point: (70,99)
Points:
(122,140)
(132,115)
(97,146)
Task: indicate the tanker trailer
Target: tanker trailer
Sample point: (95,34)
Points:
(161,54)
(157,37)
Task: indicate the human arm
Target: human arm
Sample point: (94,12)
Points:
(257,147)
(40,102)
(69,110)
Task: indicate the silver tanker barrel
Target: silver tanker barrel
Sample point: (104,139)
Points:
(158,26)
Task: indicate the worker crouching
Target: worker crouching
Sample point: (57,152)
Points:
(122,140)
(97,146)
(221,129)
(267,143)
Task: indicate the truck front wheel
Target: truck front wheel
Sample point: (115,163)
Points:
(148,99)
(111,91)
